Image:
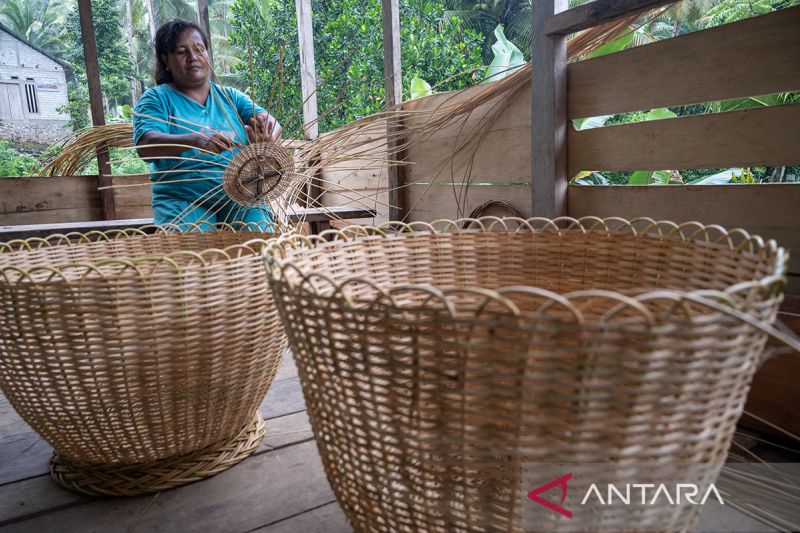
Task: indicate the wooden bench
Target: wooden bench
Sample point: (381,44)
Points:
(318,220)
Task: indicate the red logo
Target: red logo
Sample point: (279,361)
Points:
(562,481)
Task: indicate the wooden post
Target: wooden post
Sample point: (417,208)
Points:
(96,106)
(308,74)
(202,17)
(393,83)
(596,13)
(549,177)
(308,85)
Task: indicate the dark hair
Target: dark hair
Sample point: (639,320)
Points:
(166,36)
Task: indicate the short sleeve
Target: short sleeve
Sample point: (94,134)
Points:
(149,115)
(244,104)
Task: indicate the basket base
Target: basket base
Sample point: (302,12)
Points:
(137,479)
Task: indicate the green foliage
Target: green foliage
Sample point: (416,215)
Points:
(484,16)
(727,11)
(349,54)
(420,88)
(13,163)
(41,22)
(135,166)
(78,107)
(116,69)
(507,57)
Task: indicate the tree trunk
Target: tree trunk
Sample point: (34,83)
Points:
(129,38)
(778,175)
(151,18)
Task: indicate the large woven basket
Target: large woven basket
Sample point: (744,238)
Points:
(141,358)
(449,372)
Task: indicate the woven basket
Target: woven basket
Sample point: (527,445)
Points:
(141,358)
(448,371)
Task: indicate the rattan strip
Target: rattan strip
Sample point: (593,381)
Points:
(138,479)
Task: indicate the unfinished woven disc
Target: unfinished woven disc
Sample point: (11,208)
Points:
(133,480)
(259,174)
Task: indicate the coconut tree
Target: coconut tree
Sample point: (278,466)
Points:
(40,22)
(225,55)
(485,16)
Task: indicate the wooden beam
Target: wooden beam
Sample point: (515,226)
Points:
(310,215)
(763,136)
(548,114)
(768,210)
(202,17)
(393,83)
(308,73)
(96,106)
(751,57)
(596,13)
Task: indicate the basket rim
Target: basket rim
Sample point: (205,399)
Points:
(11,274)
(279,254)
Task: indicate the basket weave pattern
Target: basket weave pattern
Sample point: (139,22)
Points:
(259,173)
(135,349)
(439,363)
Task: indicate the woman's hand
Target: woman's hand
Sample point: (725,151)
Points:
(263,128)
(214,141)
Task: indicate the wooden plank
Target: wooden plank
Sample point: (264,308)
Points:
(8,233)
(765,136)
(549,114)
(133,202)
(516,111)
(25,231)
(308,73)
(327,518)
(30,496)
(35,194)
(263,489)
(431,161)
(96,105)
(768,210)
(24,456)
(10,423)
(431,203)
(26,501)
(596,13)
(751,57)
(375,200)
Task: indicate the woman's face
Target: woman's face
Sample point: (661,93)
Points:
(188,63)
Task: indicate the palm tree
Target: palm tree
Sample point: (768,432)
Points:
(484,16)
(170,9)
(225,55)
(40,22)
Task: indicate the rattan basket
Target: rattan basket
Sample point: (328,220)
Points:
(141,358)
(448,372)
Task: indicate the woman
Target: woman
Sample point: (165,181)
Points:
(206,120)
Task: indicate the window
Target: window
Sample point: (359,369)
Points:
(31,97)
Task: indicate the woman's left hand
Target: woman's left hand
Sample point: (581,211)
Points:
(263,128)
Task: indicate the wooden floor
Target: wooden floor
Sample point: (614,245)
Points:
(282,488)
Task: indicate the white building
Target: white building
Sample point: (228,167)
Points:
(33,85)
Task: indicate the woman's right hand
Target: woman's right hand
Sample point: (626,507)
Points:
(214,141)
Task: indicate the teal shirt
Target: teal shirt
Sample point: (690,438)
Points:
(166,110)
